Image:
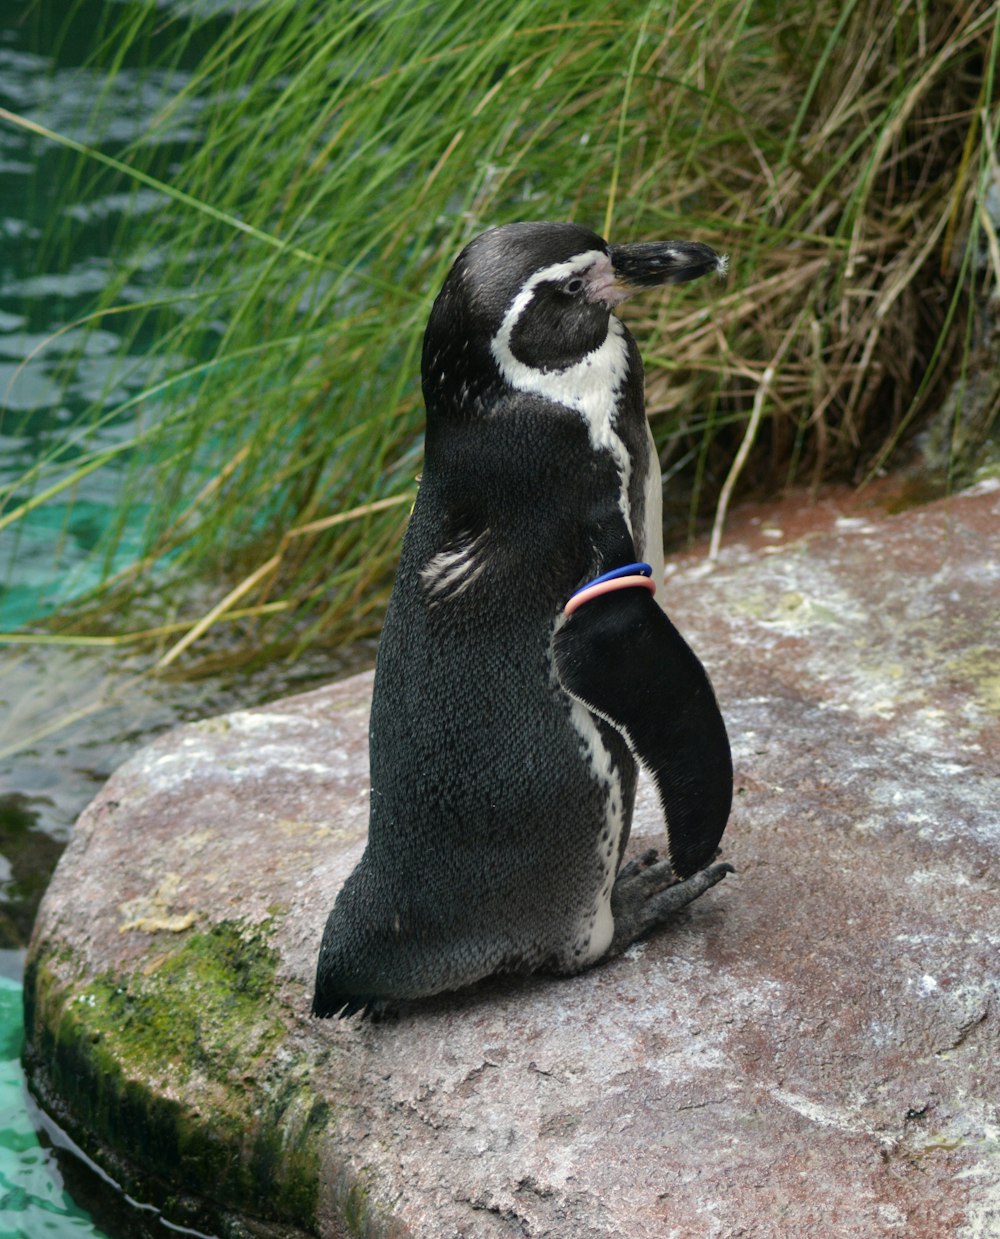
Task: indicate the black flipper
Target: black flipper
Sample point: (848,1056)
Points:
(622,658)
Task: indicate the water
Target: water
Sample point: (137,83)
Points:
(61,242)
(67,718)
(44,1176)
(33,1198)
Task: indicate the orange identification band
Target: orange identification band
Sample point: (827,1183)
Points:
(607,587)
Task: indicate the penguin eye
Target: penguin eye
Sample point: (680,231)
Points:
(573,286)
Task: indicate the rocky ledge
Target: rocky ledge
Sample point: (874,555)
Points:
(812,1049)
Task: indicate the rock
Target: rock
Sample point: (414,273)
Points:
(812,1049)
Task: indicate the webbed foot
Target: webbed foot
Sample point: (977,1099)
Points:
(646,893)
(640,863)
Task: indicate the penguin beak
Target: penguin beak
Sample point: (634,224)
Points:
(647,264)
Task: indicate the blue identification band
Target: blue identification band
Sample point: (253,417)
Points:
(631,576)
(628,570)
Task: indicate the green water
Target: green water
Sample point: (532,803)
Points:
(68,717)
(60,242)
(64,236)
(33,1200)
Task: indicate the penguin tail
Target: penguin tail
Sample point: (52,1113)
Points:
(325,1006)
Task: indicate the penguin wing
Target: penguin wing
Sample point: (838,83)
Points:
(624,660)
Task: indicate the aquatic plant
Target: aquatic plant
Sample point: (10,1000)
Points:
(325,162)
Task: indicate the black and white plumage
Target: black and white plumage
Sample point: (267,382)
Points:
(505,737)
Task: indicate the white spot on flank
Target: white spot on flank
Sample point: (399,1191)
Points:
(590,386)
(450,573)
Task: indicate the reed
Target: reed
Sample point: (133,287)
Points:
(342,154)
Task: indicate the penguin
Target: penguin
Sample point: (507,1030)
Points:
(525,669)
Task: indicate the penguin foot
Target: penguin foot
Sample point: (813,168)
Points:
(632,867)
(642,862)
(646,893)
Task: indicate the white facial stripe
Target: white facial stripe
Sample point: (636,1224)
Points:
(547,275)
(590,386)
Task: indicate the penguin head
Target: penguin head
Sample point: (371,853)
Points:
(536,298)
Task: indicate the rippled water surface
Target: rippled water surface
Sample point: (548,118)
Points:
(60,245)
(34,1202)
(67,718)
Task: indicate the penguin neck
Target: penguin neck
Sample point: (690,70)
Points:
(593,387)
(459,379)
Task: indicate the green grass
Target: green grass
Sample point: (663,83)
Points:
(840,152)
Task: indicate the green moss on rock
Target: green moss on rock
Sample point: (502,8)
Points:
(178,1065)
(206,1006)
